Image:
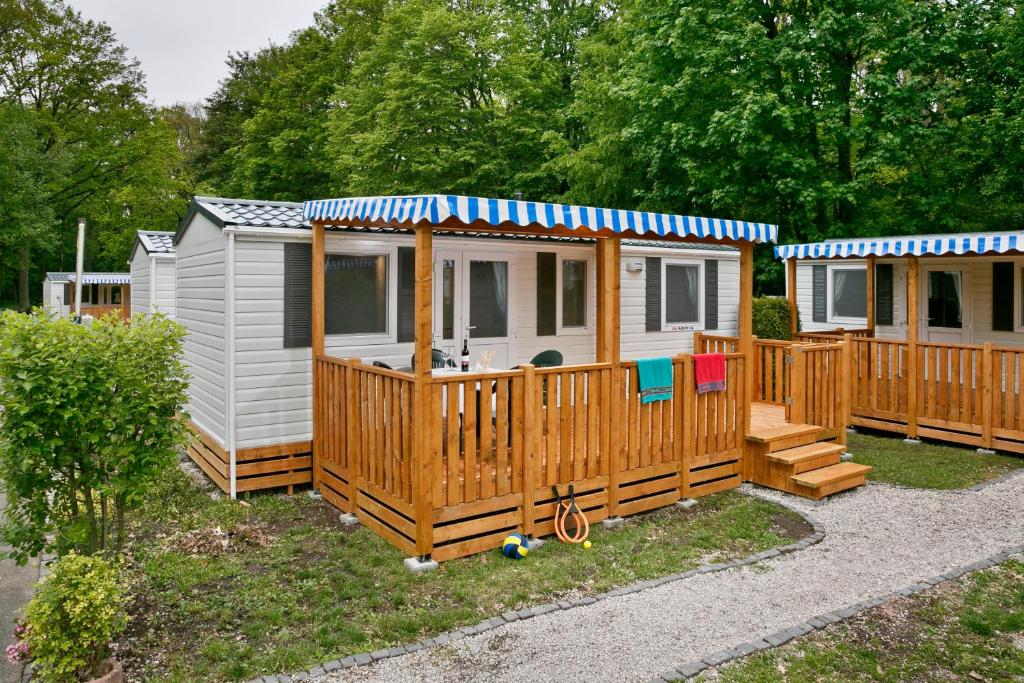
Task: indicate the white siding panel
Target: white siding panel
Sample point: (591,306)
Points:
(165,286)
(140,282)
(199,305)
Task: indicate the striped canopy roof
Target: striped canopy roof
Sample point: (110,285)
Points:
(912,245)
(103,278)
(443,210)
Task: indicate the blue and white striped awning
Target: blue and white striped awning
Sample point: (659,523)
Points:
(441,210)
(913,245)
(103,278)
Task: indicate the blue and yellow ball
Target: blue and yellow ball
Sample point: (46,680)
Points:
(515,546)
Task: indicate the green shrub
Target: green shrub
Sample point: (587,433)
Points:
(75,614)
(87,422)
(771,318)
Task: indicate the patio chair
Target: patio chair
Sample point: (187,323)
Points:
(382,364)
(546,359)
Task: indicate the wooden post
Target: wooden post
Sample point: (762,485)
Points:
(353,454)
(609,314)
(989,378)
(421,465)
(531,445)
(686,428)
(794,313)
(871,295)
(698,342)
(317,295)
(746,333)
(912,329)
(845,385)
(608,299)
(798,386)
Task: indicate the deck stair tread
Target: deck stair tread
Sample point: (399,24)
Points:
(798,454)
(831,474)
(782,431)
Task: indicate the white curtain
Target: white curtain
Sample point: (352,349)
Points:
(501,286)
(958,284)
(692,274)
(838,286)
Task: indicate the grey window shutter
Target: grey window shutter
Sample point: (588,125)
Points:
(883,294)
(547,279)
(652,268)
(95,294)
(820,290)
(711,294)
(406,294)
(1002,296)
(298,295)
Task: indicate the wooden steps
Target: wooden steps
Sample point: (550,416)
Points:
(795,458)
(825,481)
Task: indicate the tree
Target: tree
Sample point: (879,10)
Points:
(830,118)
(448,99)
(88,421)
(86,99)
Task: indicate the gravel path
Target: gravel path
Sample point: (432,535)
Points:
(878,539)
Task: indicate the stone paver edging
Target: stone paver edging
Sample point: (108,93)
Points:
(367,658)
(692,669)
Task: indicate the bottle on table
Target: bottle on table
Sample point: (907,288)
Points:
(465,355)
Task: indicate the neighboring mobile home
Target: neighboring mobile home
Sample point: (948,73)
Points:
(243,292)
(101,293)
(152,271)
(939,321)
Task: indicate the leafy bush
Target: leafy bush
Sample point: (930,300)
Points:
(87,422)
(72,619)
(771,318)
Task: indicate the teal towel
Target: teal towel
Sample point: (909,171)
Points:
(655,379)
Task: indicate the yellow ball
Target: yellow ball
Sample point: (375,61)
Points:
(587,544)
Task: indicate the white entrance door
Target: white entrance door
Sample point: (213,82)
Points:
(473,303)
(946,317)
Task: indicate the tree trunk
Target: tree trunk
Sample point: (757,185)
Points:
(23,300)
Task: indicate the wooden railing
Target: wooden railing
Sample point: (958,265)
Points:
(711,343)
(100,311)
(771,371)
(820,382)
(832,335)
(878,378)
(495,444)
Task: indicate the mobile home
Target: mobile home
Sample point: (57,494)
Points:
(101,293)
(243,271)
(152,271)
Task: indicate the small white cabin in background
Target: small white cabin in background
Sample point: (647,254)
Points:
(243,272)
(153,275)
(56,293)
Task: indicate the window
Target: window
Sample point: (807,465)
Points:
(944,294)
(848,293)
(574,293)
(488,299)
(115,296)
(356,294)
(681,307)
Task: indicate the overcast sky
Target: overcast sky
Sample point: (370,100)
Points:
(182,44)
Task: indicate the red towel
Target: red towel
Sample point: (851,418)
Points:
(709,369)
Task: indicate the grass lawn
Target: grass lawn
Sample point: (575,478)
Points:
(971,629)
(927,465)
(294,588)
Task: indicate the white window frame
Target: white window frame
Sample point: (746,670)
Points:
(347,247)
(589,286)
(830,300)
(697,326)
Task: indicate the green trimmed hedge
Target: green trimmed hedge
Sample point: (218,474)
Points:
(771,318)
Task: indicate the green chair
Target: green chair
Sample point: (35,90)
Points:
(547,359)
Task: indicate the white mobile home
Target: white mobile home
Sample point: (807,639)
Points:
(243,270)
(102,293)
(57,293)
(963,297)
(152,270)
